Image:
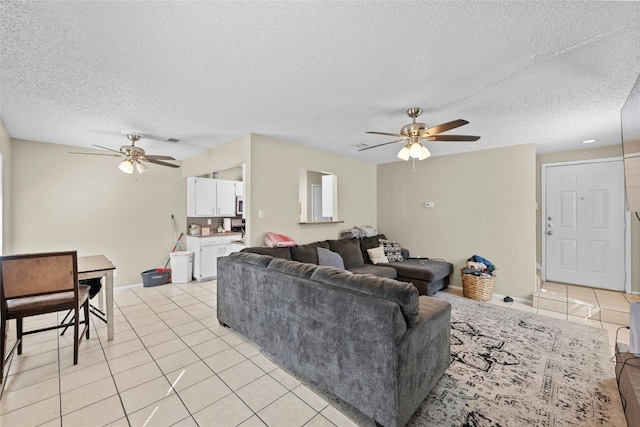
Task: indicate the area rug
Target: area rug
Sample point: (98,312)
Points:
(511,368)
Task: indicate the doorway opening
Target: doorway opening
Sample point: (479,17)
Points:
(585,237)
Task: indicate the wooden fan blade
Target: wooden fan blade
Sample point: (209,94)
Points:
(380,145)
(149,156)
(452,138)
(389,134)
(95,154)
(107,148)
(443,127)
(158,162)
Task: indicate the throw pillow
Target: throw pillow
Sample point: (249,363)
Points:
(392,250)
(377,255)
(349,250)
(330,258)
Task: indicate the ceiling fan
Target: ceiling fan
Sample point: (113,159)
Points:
(414,133)
(134,156)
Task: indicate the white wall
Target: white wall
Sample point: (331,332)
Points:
(274,190)
(61,201)
(484,205)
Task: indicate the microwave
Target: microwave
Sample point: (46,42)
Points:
(239,205)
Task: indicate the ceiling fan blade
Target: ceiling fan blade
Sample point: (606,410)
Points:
(95,154)
(452,138)
(158,162)
(443,127)
(107,148)
(380,145)
(389,134)
(151,157)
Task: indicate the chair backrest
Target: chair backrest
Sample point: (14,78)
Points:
(38,274)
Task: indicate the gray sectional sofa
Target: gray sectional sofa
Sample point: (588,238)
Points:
(371,342)
(428,276)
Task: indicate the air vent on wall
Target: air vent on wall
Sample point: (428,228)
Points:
(173,140)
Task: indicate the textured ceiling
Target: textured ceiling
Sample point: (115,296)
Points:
(316,73)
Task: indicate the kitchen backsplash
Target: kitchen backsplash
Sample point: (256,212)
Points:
(202,222)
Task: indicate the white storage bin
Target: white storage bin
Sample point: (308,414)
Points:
(181,266)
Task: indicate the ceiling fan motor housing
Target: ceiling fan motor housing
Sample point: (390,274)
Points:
(413,129)
(132,151)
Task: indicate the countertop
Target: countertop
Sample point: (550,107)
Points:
(223,234)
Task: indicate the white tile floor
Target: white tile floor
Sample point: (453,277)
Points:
(170,363)
(581,304)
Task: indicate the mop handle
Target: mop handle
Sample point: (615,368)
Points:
(174,249)
(177,243)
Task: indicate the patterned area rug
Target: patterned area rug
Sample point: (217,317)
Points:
(511,368)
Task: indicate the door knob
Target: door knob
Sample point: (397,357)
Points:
(550,232)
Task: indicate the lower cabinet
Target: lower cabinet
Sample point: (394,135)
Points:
(206,251)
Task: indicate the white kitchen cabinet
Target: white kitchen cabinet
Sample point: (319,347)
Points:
(226,197)
(206,251)
(239,188)
(205,256)
(211,197)
(233,247)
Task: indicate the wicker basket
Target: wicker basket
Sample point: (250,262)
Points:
(477,287)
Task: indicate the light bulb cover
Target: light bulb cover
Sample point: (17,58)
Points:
(415,150)
(141,167)
(404,153)
(425,153)
(126,166)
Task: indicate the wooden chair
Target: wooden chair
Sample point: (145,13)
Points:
(36,284)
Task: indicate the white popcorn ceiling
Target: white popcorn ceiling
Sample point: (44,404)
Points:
(316,73)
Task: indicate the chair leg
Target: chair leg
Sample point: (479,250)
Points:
(3,345)
(87,320)
(19,333)
(76,334)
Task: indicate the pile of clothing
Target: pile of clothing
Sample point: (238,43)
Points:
(359,232)
(479,266)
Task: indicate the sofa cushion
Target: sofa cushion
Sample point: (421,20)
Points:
(330,258)
(368,243)
(284,253)
(401,293)
(349,250)
(377,255)
(392,250)
(304,270)
(426,270)
(377,270)
(307,253)
(252,258)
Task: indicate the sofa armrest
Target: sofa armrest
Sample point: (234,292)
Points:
(424,354)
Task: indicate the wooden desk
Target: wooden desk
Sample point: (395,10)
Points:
(93,267)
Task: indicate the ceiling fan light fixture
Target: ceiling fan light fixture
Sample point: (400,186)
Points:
(425,153)
(415,151)
(126,166)
(142,168)
(404,153)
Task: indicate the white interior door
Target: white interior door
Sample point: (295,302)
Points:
(584,224)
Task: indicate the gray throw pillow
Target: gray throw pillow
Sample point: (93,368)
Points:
(330,258)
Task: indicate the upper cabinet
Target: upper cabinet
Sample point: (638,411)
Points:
(211,197)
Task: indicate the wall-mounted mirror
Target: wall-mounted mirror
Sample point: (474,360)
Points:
(318,196)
